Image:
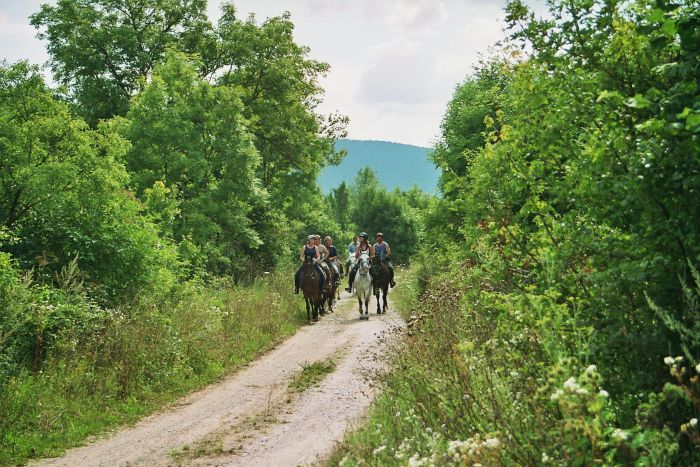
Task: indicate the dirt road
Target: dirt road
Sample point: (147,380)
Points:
(253,418)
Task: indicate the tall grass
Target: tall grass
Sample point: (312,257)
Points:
(489,375)
(138,358)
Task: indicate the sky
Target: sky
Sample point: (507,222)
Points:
(394,63)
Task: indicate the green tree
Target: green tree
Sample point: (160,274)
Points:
(62,193)
(191,137)
(101,49)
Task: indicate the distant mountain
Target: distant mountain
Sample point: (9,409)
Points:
(396,165)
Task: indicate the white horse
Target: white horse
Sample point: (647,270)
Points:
(363,285)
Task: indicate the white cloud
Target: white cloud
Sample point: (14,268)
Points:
(398,71)
(412,14)
(8,27)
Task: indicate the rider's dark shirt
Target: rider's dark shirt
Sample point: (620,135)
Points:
(309,252)
(332,251)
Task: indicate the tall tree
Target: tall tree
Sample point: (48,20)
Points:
(62,191)
(191,137)
(101,49)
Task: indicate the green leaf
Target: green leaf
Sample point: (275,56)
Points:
(638,102)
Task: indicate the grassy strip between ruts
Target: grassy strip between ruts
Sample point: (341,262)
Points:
(142,358)
(311,374)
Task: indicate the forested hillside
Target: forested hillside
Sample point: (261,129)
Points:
(397,165)
(556,319)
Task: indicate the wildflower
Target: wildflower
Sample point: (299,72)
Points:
(379,449)
(591,369)
(557,394)
(620,435)
(697,368)
(679,359)
(492,443)
(545,458)
(668,361)
(571,384)
(693,422)
(603,393)
(514,374)
(582,391)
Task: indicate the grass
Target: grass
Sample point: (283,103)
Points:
(140,359)
(311,374)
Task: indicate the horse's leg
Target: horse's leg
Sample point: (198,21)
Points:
(376,295)
(386,292)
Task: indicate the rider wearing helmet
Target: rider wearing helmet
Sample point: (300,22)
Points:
(363,247)
(382,249)
(310,250)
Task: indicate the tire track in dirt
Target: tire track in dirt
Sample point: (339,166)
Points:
(251,418)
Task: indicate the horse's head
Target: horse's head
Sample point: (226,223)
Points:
(364,264)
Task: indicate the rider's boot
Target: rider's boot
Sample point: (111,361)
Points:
(351,279)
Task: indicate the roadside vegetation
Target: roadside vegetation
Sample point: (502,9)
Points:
(557,314)
(151,210)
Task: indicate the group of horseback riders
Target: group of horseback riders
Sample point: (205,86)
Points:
(325,257)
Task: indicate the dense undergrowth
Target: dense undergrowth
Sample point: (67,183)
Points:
(557,321)
(92,368)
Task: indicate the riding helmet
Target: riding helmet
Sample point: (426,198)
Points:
(379,234)
(311,237)
(364,234)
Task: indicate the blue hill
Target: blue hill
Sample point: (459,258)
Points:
(396,165)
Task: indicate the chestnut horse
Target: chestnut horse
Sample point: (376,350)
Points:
(310,285)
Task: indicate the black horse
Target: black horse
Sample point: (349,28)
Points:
(380,281)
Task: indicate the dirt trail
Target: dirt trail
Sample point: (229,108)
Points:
(251,418)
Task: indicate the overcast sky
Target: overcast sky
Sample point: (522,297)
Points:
(394,63)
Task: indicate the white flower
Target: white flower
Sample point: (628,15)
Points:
(571,384)
(603,393)
(693,422)
(514,374)
(679,359)
(545,458)
(379,449)
(492,443)
(668,361)
(591,369)
(697,367)
(620,435)
(557,394)
(582,391)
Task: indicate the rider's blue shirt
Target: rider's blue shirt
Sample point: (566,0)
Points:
(351,248)
(380,250)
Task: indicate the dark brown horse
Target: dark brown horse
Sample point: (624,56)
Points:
(380,281)
(310,285)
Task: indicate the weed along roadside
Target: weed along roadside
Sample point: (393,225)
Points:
(139,359)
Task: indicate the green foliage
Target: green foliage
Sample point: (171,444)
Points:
(62,194)
(101,49)
(191,148)
(567,238)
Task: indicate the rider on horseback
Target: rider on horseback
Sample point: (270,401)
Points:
(310,251)
(332,258)
(382,249)
(323,251)
(363,247)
